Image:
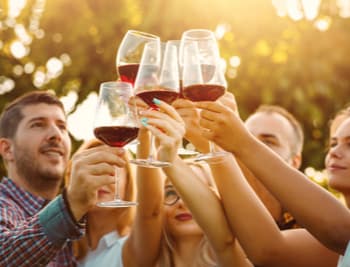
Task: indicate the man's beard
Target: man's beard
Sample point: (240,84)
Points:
(36,176)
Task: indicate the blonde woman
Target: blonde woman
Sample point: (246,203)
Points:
(107,229)
(195,230)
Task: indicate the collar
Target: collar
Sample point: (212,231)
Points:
(108,240)
(29,203)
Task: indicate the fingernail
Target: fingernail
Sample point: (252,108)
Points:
(156,101)
(144,121)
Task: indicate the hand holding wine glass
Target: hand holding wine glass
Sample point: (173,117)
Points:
(203,79)
(115,125)
(167,127)
(150,86)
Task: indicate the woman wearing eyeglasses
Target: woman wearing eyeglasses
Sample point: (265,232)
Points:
(194,229)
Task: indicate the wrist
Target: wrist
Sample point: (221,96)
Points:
(75,209)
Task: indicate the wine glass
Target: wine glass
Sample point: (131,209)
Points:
(151,83)
(203,78)
(130,52)
(115,125)
(182,150)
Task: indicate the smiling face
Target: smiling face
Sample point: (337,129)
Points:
(338,158)
(41,145)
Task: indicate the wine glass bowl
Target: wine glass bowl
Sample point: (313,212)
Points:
(129,54)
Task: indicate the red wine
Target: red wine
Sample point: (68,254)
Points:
(117,136)
(203,92)
(164,95)
(128,72)
(181,95)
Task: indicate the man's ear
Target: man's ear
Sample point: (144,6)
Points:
(6,149)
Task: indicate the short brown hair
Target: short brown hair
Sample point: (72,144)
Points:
(12,113)
(297,146)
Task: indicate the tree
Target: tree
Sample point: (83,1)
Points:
(274,60)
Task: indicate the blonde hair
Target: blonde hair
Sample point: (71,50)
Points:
(81,246)
(205,254)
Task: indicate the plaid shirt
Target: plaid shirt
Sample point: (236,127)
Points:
(34,232)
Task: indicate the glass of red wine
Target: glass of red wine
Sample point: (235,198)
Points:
(203,78)
(115,125)
(155,82)
(130,52)
(182,150)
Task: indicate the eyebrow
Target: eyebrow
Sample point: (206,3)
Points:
(43,119)
(334,139)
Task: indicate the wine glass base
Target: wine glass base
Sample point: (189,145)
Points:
(211,156)
(186,152)
(117,203)
(147,163)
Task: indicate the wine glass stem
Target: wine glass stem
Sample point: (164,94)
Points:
(117,197)
(151,148)
(211,147)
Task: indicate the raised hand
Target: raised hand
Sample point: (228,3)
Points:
(91,169)
(190,115)
(168,128)
(222,125)
(228,100)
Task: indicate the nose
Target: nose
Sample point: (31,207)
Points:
(54,133)
(335,151)
(181,204)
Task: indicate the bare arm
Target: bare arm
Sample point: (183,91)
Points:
(301,197)
(256,230)
(197,195)
(142,247)
(223,242)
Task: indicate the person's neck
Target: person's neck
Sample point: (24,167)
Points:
(101,223)
(48,191)
(186,249)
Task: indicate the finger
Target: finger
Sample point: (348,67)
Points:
(163,116)
(184,113)
(210,106)
(168,109)
(168,127)
(163,139)
(206,133)
(181,103)
(99,169)
(228,100)
(205,123)
(101,154)
(99,180)
(208,115)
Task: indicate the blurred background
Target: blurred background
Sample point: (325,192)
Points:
(293,53)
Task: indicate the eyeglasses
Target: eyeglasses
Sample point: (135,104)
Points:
(170,196)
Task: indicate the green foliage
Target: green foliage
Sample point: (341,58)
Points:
(282,61)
